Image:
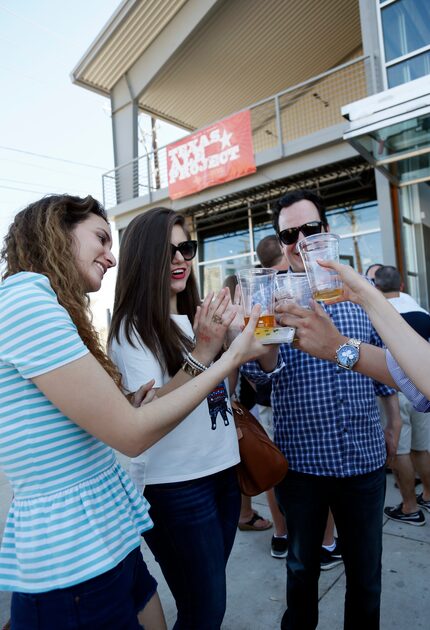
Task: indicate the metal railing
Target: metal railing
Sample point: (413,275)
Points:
(298,111)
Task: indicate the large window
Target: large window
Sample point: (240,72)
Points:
(410,218)
(405,26)
(226,245)
(360,232)
(229,245)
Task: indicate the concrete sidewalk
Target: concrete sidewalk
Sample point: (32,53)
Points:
(256,581)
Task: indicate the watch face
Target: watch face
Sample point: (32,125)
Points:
(348,356)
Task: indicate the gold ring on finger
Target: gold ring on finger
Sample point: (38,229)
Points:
(217,319)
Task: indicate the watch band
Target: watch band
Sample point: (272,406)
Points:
(353,342)
(191,370)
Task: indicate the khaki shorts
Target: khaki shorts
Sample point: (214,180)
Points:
(415,433)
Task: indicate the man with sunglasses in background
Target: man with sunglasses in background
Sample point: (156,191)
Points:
(327,424)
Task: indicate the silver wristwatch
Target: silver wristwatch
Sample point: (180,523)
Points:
(348,354)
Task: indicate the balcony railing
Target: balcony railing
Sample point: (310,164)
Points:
(298,111)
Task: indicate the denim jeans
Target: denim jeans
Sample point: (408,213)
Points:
(357,505)
(110,600)
(195,525)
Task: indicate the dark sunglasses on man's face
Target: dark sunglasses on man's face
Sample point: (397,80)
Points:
(188,249)
(290,235)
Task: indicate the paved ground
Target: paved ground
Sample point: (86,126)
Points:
(256,581)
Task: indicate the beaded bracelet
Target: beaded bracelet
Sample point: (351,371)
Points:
(192,361)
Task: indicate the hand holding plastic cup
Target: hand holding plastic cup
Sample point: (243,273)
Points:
(258,287)
(324,283)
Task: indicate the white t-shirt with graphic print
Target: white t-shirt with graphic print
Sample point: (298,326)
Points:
(202,444)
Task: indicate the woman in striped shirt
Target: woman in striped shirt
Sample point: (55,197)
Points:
(70,549)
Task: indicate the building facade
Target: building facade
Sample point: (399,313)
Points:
(339,100)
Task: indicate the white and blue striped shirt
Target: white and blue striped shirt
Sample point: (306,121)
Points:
(75,513)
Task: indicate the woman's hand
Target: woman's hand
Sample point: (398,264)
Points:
(238,323)
(355,287)
(211,323)
(246,346)
(143,395)
(315,332)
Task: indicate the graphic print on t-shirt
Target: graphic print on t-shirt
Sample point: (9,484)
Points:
(217,403)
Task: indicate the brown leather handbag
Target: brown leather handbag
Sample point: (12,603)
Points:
(262,465)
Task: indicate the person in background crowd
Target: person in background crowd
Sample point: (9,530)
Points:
(270,254)
(189,476)
(412,453)
(327,425)
(372,269)
(388,280)
(71,545)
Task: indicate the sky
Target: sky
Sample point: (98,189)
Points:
(42,113)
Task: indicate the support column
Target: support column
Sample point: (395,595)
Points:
(371,45)
(388,238)
(125,142)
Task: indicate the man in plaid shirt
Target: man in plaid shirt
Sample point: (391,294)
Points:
(327,424)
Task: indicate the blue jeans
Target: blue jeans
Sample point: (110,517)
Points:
(357,505)
(110,600)
(195,525)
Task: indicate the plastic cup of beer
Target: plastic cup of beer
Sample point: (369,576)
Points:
(324,283)
(258,287)
(293,288)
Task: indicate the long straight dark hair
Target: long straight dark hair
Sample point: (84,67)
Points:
(142,294)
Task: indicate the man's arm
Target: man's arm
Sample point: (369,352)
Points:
(317,335)
(393,426)
(260,372)
(411,351)
(269,361)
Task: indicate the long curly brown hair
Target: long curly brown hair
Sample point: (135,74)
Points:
(40,240)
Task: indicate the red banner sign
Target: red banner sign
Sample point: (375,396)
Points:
(214,155)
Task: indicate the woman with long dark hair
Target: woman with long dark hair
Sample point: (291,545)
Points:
(189,476)
(70,549)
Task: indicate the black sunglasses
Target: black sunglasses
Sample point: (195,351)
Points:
(188,249)
(290,235)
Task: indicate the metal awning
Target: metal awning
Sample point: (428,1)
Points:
(191,62)
(392,131)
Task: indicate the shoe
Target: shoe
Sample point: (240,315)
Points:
(250,526)
(396,514)
(330,559)
(279,547)
(422,503)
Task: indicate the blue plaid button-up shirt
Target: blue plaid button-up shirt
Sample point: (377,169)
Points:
(326,418)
